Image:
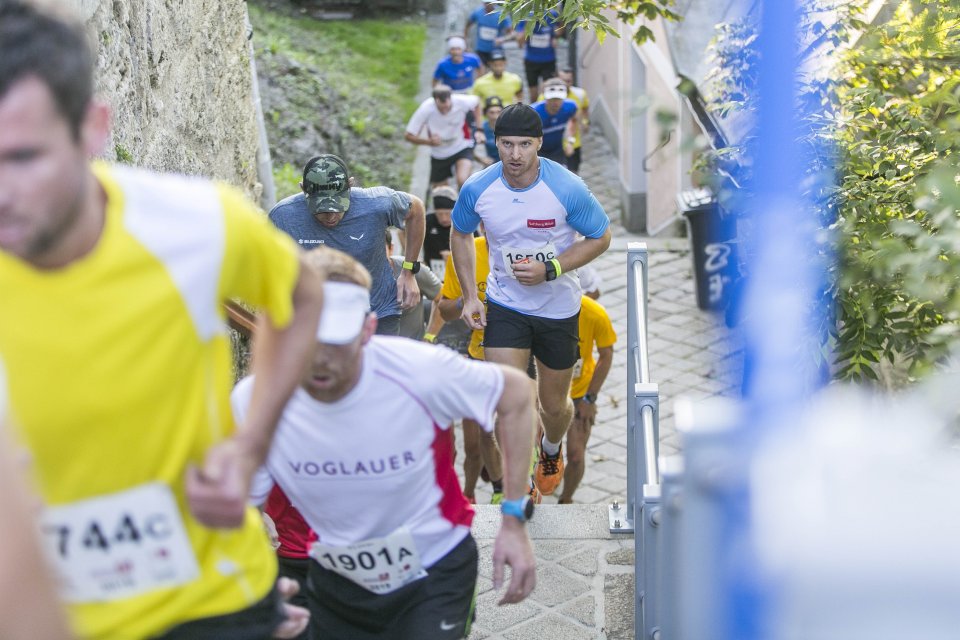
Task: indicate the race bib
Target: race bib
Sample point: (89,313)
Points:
(119,545)
(379,565)
(578,369)
(487,33)
(540,40)
(513,255)
(438,267)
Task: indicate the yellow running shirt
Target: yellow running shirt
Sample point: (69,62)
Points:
(595,327)
(451,289)
(506,88)
(119,372)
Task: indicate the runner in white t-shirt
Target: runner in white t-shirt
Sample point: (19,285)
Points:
(362,452)
(441,122)
(532,209)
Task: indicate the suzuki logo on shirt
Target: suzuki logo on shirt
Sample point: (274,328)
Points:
(541,224)
(347,468)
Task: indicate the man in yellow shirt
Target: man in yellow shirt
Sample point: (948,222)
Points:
(498,81)
(119,362)
(588,378)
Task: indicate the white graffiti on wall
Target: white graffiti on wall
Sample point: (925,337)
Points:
(718,256)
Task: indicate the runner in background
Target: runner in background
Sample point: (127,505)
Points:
(539,49)
(458,69)
(596,329)
(499,82)
(493,27)
(491,111)
(412,319)
(578,95)
(329,211)
(440,122)
(560,123)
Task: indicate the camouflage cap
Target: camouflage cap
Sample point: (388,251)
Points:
(326,184)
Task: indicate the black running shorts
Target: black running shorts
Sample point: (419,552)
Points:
(439,606)
(256,622)
(537,70)
(555,343)
(441,169)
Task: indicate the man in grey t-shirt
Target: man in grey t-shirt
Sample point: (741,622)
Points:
(330,212)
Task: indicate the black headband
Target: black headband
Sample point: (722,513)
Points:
(443,202)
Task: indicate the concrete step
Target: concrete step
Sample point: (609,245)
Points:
(585,585)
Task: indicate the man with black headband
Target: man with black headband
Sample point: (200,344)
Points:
(532,208)
(436,240)
(330,212)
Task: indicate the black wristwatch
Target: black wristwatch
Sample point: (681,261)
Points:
(412,267)
(551,270)
(589,399)
(521,508)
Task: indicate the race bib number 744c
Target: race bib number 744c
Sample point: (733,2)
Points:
(119,545)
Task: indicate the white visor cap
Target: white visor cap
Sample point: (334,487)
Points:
(345,307)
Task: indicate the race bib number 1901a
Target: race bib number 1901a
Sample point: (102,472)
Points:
(119,545)
(379,565)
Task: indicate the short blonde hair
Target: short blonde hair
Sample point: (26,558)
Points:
(337,266)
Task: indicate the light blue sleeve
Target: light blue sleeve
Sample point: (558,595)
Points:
(584,212)
(465,217)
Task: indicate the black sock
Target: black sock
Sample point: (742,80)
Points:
(497,485)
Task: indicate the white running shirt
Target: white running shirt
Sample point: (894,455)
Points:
(539,222)
(381,458)
(427,119)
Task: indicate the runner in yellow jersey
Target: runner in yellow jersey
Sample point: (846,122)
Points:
(588,378)
(119,362)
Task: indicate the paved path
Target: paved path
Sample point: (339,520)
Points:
(585,575)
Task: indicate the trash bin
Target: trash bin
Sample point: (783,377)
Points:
(712,247)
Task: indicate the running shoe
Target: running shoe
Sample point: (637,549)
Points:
(496,498)
(534,494)
(549,472)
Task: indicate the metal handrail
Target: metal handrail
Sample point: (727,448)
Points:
(642,366)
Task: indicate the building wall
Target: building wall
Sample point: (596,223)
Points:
(630,84)
(177,76)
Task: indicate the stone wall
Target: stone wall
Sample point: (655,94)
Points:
(177,75)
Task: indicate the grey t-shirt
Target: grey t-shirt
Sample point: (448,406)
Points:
(359,234)
(412,320)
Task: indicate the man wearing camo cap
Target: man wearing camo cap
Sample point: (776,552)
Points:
(330,212)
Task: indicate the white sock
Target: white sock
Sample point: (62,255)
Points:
(549,448)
